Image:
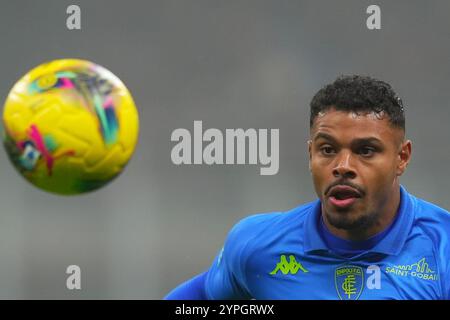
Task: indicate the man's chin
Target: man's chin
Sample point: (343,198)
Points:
(347,221)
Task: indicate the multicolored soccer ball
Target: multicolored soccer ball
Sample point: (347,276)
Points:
(70,126)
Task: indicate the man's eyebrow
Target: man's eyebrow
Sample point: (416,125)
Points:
(368,140)
(322,135)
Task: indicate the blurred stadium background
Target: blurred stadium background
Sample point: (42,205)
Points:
(231,64)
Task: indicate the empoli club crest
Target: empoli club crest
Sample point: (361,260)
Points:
(349,281)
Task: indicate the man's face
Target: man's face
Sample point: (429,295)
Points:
(355,162)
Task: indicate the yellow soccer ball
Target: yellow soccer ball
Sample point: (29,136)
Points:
(70,126)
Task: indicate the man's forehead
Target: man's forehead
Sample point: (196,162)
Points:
(355,125)
(344,119)
(369,114)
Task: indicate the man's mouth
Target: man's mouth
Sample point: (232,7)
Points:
(343,196)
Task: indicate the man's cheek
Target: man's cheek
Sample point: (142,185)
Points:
(318,183)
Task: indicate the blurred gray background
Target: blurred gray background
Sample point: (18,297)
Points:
(231,64)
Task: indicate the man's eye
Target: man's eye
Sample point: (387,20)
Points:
(327,150)
(366,151)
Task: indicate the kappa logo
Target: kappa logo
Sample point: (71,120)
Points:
(349,282)
(286,267)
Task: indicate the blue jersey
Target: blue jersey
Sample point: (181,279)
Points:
(283,255)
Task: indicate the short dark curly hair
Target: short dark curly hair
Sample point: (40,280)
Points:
(357,94)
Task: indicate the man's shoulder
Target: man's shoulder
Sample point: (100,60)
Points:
(430,212)
(262,224)
(432,219)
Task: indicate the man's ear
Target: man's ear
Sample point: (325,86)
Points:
(309,142)
(404,156)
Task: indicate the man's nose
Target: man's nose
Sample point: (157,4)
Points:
(344,167)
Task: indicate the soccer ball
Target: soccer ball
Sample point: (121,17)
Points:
(70,126)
